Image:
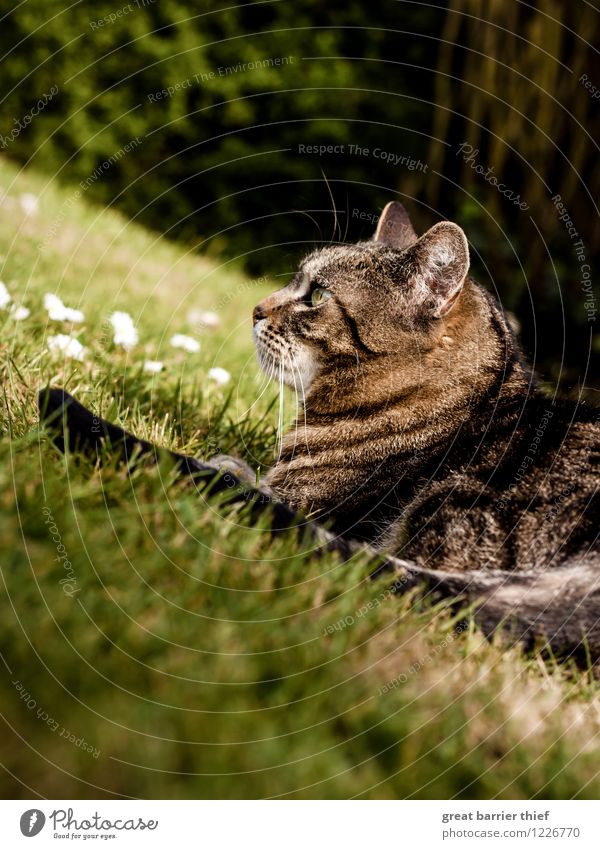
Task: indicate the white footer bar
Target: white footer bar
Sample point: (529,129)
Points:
(301,824)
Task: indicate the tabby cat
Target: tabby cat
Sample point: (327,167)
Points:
(422,435)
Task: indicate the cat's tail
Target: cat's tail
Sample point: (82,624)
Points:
(73,426)
(558,608)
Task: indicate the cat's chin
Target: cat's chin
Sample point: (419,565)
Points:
(295,368)
(298,377)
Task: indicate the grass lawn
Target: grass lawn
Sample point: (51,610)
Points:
(153,646)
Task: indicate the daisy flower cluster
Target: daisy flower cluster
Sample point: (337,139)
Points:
(18,311)
(124,332)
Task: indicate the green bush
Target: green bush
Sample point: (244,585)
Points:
(218,162)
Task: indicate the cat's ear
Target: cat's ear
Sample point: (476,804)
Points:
(394,227)
(437,267)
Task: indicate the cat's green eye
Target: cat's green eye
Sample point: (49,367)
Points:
(319,295)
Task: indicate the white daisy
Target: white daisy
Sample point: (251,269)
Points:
(19,313)
(4,296)
(67,345)
(180,340)
(204,318)
(57,311)
(125,334)
(153,366)
(219,375)
(29,203)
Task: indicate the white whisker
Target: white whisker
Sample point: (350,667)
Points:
(280,421)
(303,409)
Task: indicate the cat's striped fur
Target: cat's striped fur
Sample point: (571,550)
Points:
(424,435)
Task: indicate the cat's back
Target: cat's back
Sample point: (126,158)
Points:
(526,499)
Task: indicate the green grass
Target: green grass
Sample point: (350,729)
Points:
(198,658)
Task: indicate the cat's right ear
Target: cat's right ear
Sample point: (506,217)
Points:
(394,227)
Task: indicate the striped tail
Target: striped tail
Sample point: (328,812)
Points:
(74,426)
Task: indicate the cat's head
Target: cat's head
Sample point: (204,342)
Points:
(374,299)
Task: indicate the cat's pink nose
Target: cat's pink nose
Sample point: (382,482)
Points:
(258,314)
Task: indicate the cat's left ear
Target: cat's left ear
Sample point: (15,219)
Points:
(437,266)
(395,227)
